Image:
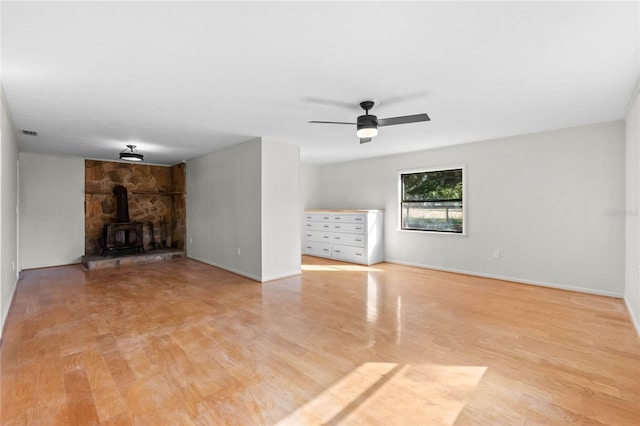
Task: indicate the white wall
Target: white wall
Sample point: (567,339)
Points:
(547,201)
(310,186)
(8,216)
(51,210)
(632,212)
(280,210)
(243,209)
(309,192)
(223,209)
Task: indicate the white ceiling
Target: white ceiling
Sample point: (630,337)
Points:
(182,79)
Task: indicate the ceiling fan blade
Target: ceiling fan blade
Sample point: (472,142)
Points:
(365,140)
(328,102)
(400,98)
(332,122)
(403,120)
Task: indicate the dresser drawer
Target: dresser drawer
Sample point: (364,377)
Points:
(348,253)
(350,239)
(318,217)
(346,235)
(322,236)
(317,226)
(349,218)
(317,248)
(348,227)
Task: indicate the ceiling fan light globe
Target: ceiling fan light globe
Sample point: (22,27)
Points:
(367,132)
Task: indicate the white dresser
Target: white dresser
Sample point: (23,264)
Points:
(348,235)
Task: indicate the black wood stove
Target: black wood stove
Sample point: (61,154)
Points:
(122,235)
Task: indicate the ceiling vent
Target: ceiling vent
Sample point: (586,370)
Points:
(29,132)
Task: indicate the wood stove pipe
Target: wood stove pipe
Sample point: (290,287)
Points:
(122,204)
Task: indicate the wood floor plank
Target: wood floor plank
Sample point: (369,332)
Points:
(186,343)
(80,404)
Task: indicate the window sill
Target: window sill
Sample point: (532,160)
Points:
(415,231)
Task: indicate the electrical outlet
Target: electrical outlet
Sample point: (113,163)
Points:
(496,254)
(238,251)
(190,240)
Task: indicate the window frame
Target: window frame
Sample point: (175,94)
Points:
(427,170)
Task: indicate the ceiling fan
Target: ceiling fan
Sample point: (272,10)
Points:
(368,124)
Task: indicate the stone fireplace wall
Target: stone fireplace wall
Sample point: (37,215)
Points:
(157,197)
(178,205)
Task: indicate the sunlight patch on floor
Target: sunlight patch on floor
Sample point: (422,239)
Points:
(389,393)
(335,268)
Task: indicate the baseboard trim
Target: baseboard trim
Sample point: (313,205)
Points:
(35,268)
(244,274)
(515,280)
(227,268)
(281,276)
(11,304)
(634,320)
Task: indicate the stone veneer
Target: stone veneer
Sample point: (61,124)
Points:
(157,197)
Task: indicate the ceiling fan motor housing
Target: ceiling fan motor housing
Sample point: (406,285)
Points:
(367,122)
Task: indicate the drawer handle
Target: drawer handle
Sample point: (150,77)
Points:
(358,228)
(358,239)
(326,217)
(337,238)
(325,249)
(358,254)
(359,218)
(308,247)
(337,218)
(337,226)
(325,237)
(308,235)
(337,251)
(325,226)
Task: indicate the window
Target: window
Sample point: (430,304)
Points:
(431,200)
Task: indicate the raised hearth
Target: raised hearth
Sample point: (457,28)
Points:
(121,259)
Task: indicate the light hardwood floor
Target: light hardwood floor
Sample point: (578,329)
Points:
(185,343)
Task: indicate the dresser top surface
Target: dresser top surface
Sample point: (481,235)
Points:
(344,211)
